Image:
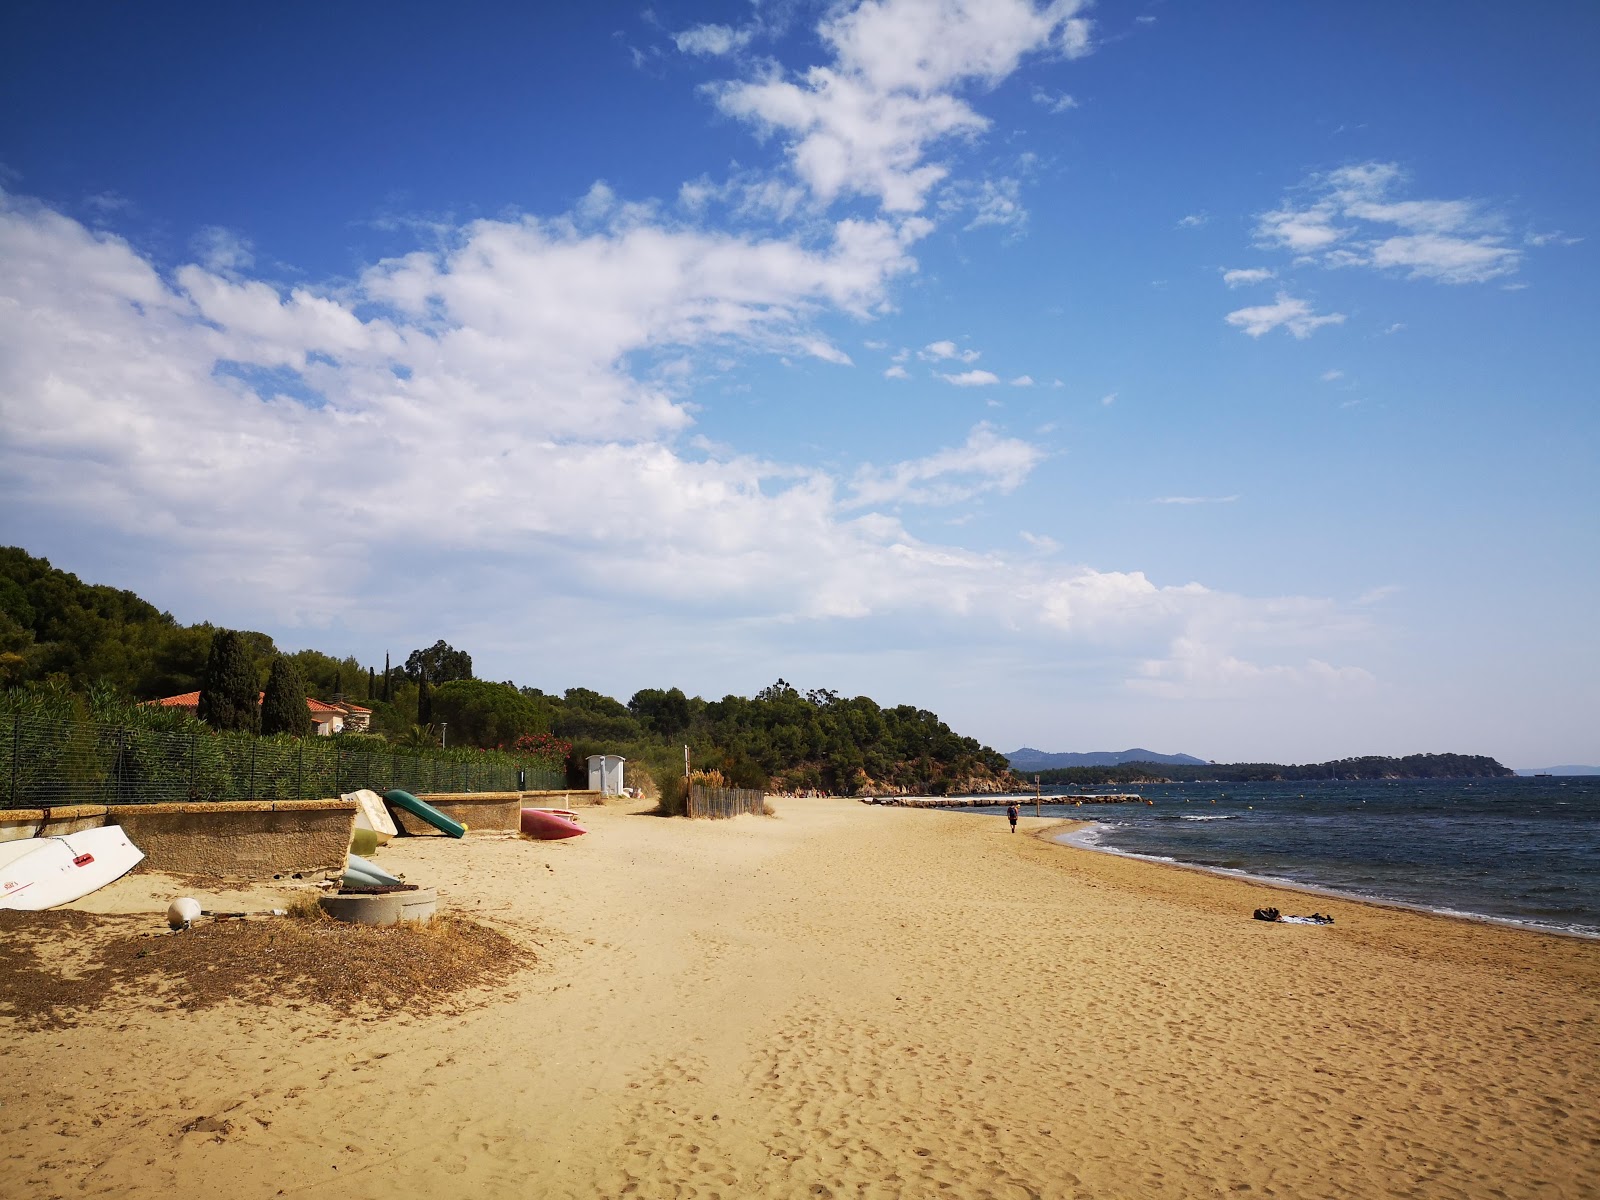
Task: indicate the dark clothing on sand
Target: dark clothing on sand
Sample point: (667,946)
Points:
(1011,815)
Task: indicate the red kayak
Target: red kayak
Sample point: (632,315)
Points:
(549,826)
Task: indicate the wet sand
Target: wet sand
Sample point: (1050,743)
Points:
(848,1000)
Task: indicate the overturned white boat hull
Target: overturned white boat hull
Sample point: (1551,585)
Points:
(40,873)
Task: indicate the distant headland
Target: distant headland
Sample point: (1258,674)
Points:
(1139,766)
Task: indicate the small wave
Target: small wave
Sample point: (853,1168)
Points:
(1217,817)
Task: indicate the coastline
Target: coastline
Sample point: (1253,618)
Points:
(1086,827)
(863,1001)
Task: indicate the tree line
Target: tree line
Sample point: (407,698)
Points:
(1410,766)
(55,628)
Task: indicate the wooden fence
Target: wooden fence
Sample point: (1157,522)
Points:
(725,802)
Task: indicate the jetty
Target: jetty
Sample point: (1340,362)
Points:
(1000,801)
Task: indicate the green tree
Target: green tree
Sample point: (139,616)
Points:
(283,708)
(228,684)
(439,663)
(662,712)
(424,702)
(480,713)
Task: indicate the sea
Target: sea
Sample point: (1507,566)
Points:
(1520,851)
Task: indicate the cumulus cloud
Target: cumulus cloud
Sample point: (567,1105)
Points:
(712,40)
(1291,314)
(1197,670)
(971,378)
(946,351)
(985,462)
(1243,276)
(502,419)
(864,123)
(1354,217)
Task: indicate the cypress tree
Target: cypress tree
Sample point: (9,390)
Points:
(388,681)
(228,685)
(424,703)
(283,710)
(372,688)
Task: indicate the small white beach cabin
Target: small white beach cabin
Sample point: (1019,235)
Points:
(605,773)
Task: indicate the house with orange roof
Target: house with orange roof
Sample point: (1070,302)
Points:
(327,719)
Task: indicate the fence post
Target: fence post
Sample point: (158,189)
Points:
(116,767)
(300,772)
(16,755)
(192,766)
(338,769)
(254,741)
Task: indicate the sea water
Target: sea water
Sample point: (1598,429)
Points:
(1522,850)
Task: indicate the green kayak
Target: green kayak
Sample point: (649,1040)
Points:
(421,808)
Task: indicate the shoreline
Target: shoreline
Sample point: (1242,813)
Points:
(849,1000)
(1311,889)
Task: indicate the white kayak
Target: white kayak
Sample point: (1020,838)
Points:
(40,873)
(371,814)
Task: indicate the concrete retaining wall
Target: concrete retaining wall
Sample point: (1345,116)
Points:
(17,823)
(247,839)
(564,798)
(480,812)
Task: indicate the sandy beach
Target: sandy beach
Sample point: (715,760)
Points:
(848,1000)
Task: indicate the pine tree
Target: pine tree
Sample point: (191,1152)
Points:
(228,685)
(283,710)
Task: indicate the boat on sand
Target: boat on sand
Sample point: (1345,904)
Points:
(550,825)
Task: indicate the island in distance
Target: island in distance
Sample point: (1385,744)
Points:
(1029,759)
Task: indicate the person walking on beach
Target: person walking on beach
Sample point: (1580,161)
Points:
(1012,812)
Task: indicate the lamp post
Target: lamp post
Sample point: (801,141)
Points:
(444,727)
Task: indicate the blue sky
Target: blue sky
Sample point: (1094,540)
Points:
(1216,379)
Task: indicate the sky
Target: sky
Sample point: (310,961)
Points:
(1216,379)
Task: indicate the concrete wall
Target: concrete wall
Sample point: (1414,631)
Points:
(480,812)
(247,839)
(565,798)
(17,823)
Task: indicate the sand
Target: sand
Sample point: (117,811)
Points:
(852,1001)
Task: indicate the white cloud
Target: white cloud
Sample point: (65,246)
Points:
(1195,670)
(1294,315)
(1341,220)
(1331,375)
(945,351)
(1194,220)
(985,462)
(864,124)
(501,418)
(1108,399)
(712,40)
(897,372)
(1040,541)
(827,352)
(1054,102)
(1242,276)
(971,378)
(221,250)
(992,202)
(1022,381)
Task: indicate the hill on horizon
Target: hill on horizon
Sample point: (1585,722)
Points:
(1029,759)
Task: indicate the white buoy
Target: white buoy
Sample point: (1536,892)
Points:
(183,912)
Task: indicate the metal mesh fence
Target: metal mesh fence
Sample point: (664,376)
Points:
(46,764)
(724,802)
